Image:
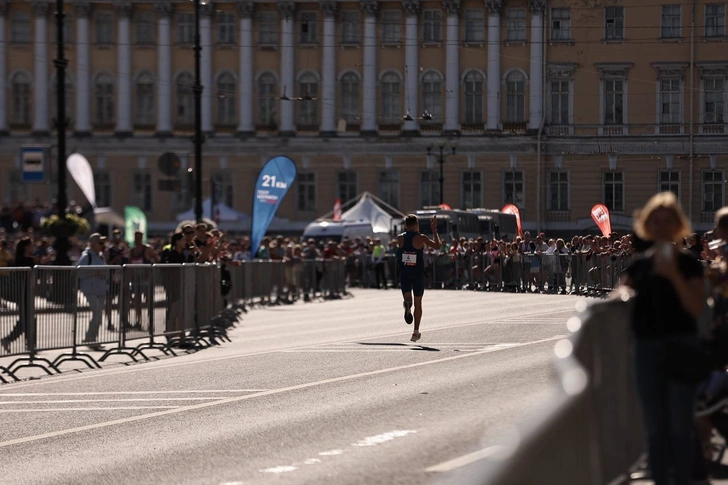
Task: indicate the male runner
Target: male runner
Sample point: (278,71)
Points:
(412,267)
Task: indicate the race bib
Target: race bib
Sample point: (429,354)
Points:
(409,259)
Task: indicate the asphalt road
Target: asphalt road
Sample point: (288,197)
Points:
(320,393)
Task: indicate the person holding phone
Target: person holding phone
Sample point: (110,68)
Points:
(411,260)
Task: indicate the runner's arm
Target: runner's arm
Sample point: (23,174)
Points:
(426,241)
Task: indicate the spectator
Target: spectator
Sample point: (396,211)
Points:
(94,285)
(23,259)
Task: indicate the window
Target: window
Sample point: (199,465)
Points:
(21,28)
(350,97)
(614,23)
(715,20)
(185,28)
(226,28)
(104,97)
(614,191)
(20,86)
(558,190)
(308,108)
(669,181)
(391,24)
(144,28)
(141,192)
(713,184)
(429,188)
(144,112)
(713,104)
(671,19)
(670,102)
(516,18)
(472,189)
(185,100)
(226,99)
(474,25)
(513,188)
(350,27)
(223,184)
(306,192)
(389,187)
(267,100)
(309,28)
(515,97)
(391,85)
(432,94)
(267,30)
(433,26)
(69,98)
(613,102)
(104,24)
(473,86)
(560,24)
(102,186)
(346,189)
(559,112)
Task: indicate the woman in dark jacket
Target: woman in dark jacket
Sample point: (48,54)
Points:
(23,259)
(669,297)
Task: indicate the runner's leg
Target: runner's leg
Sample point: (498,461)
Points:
(418,313)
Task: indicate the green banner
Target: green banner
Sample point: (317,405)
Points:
(136,220)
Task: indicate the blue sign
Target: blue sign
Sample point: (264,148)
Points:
(32,162)
(274,180)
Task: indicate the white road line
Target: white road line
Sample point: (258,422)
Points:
(464,460)
(69,401)
(107,393)
(271,392)
(53,410)
(149,367)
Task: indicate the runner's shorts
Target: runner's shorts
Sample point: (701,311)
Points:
(414,284)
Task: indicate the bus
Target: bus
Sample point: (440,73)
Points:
(496,224)
(451,224)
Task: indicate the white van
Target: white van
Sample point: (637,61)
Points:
(337,231)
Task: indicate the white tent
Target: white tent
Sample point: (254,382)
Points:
(227,214)
(367,210)
(106,216)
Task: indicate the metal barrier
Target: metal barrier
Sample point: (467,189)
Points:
(592,433)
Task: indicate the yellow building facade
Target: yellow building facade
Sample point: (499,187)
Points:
(553,106)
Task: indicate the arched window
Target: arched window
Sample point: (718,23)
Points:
(432,94)
(226,99)
(267,100)
(391,85)
(144,107)
(308,108)
(350,97)
(68,98)
(104,98)
(185,100)
(20,85)
(473,87)
(515,97)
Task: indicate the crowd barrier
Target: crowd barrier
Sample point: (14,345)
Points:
(592,432)
(582,274)
(160,306)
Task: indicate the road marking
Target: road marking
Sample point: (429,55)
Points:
(464,460)
(33,394)
(79,401)
(271,392)
(383,438)
(53,410)
(149,367)
(331,453)
(280,469)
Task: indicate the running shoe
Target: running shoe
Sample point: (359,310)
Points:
(408,312)
(415,337)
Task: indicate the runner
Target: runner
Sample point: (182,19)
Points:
(412,267)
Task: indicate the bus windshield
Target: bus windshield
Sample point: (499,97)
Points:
(441,227)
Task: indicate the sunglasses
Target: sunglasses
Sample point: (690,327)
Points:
(187,233)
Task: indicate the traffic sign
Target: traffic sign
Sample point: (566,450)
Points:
(169,164)
(33,164)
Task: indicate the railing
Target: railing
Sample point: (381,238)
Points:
(634,129)
(161,306)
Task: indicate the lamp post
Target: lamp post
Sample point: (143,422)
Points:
(197,90)
(441,161)
(61,244)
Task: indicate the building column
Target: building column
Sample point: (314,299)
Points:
(123,68)
(40,74)
(412,66)
(535,104)
(328,71)
(206,12)
(286,125)
(452,68)
(493,97)
(3,72)
(83,67)
(164,70)
(246,126)
(370,8)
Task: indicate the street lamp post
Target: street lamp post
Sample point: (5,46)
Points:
(61,244)
(441,161)
(197,89)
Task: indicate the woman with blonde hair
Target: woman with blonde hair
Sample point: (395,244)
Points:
(669,297)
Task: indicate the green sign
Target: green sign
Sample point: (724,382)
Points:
(136,220)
